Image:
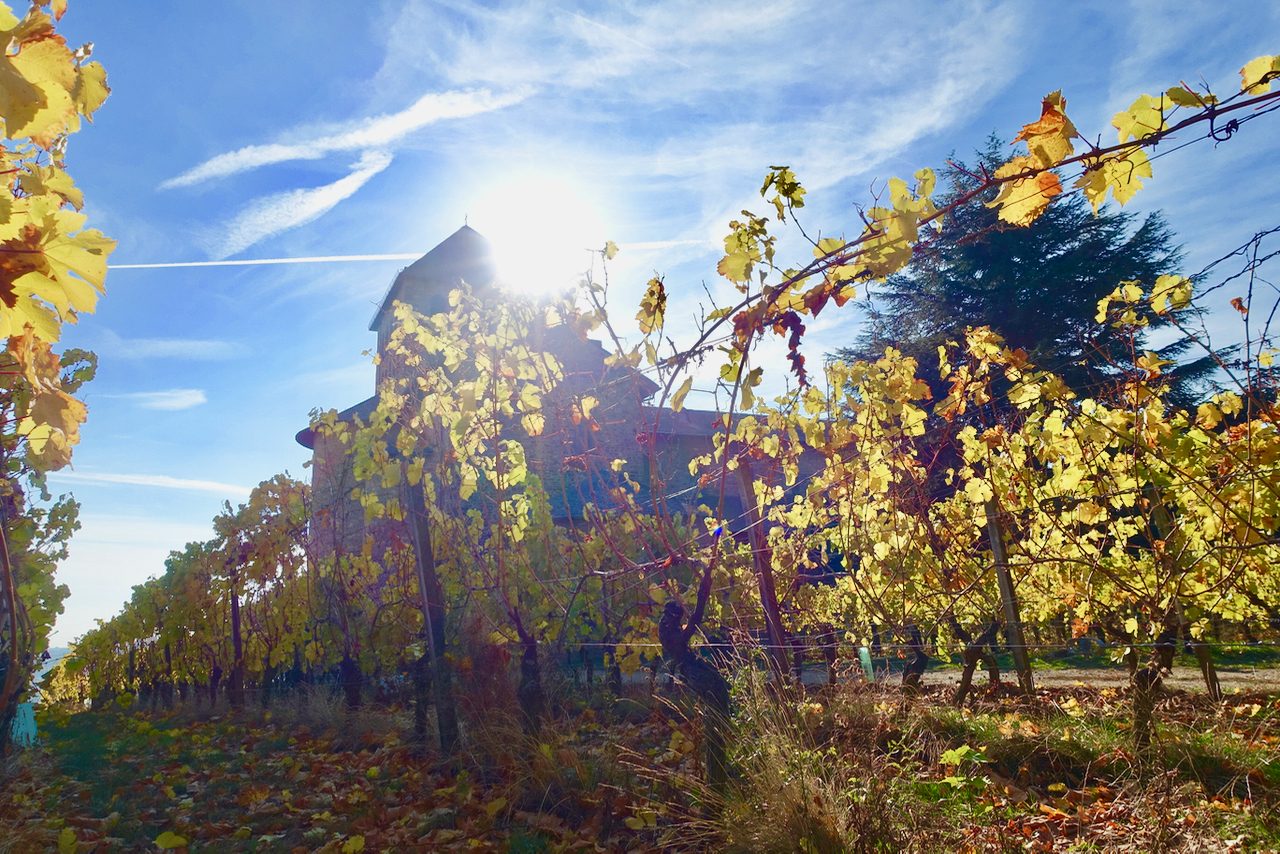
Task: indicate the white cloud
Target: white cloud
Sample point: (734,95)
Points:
(162,481)
(168,348)
(176,399)
(109,554)
(140,531)
(380,132)
(273,214)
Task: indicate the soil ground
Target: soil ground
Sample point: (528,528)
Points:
(1233,679)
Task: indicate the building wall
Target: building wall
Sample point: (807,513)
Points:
(572,458)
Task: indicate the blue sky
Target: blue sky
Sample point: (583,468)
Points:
(293,129)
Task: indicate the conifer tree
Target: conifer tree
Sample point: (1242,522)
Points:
(1037,286)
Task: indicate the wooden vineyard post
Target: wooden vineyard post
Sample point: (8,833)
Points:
(434,614)
(235,691)
(1021,662)
(762,560)
(1162,521)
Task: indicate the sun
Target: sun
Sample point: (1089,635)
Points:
(542,231)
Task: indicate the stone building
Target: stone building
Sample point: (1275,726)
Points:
(572,462)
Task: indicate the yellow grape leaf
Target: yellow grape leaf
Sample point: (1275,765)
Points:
(1144,117)
(85,255)
(1170,292)
(59,8)
(1089,513)
(1024,394)
(736,266)
(1131,625)
(1023,200)
(978,491)
(1152,364)
(1104,306)
(610,250)
(1049,139)
(52,423)
(1186,98)
(67,841)
(32,314)
(354,845)
(1255,77)
(495,806)
(1208,416)
(653,306)
(169,839)
(787,188)
(744,246)
(42,180)
(91,88)
(630,663)
(243,832)
(1122,176)
(45,261)
(826,246)
(888,240)
(1229,402)
(926,180)
(677,399)
(37,75)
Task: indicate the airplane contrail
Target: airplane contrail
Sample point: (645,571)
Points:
(315,259)
(322,259)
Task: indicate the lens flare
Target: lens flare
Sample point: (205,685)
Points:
(542,231)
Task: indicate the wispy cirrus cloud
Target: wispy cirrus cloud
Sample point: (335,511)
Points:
(279,212)
(202,350)
(172,401)
(161,481)
(377,133)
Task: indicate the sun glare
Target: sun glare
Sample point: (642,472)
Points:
(541,231)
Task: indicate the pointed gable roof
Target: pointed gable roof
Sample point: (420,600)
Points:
(464,256)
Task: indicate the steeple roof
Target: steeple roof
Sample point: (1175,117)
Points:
(464,256)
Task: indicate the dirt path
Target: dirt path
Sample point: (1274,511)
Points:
(1245,679)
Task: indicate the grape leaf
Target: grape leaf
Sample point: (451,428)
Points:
(1256,76)
(1023,200)
(91,89)
(42,180)
(677,399)
(1144,117)
(169,839)
(1049,139)
(37,76)
(1186,98)
(1122,176)
(653,306)
(52,422)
